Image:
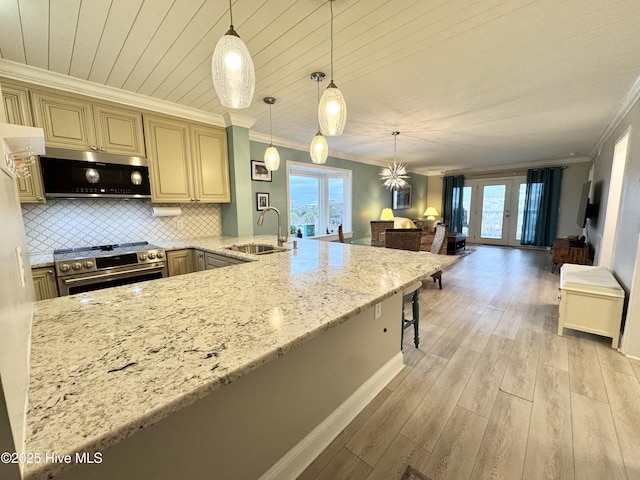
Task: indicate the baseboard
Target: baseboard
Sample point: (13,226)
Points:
(294,462)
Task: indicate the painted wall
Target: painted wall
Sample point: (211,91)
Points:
(573,177)
(81,223)
(369,197)
(434,194)
(16,310)
(625,261)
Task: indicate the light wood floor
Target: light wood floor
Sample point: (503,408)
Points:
(493,392)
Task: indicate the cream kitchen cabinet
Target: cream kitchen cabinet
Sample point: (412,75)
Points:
(16,105)
(209,261)
(180,262)
(44,283)
(187,162)
(75,122)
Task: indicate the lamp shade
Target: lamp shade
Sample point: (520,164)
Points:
(232,70)
(319,149)
(387,214)
(332,111)
(431,212)
(271,158)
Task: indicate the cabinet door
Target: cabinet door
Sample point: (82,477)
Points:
(118,130)
(67,121)
(215,261)
(200,264)
(168,155)
(16,106)
(44,283)
(210,164)
(180,262)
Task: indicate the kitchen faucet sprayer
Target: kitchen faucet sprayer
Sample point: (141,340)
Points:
(281,238)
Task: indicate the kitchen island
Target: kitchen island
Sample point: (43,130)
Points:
(111,366)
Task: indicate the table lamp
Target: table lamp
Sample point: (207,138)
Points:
(431,214)
(387,214)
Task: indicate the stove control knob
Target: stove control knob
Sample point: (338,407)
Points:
(152,256)
(76,266)
(64,267)
(88,264)
(160,254)
(142,256)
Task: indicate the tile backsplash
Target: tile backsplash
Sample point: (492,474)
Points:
(81,223)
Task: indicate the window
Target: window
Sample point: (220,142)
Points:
(319,199)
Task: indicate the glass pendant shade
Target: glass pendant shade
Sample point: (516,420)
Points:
(319,149)
(332,111)
(271,158)
(232,69)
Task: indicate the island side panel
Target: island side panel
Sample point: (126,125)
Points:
(241,430)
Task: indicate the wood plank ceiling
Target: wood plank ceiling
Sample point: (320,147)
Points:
(468,83)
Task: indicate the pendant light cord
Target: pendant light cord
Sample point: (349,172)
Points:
(270,126)
(331,5)
(231,14)
(318,119)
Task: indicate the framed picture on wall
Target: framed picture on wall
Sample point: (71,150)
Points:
(259,172)
(262,200)
(401,199)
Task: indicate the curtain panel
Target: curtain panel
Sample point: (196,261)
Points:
(452,212)
(542,201)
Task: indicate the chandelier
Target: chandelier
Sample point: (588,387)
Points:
(394,176)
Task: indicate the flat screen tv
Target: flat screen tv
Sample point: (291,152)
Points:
(583,208)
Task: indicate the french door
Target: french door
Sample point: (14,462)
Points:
(494,210)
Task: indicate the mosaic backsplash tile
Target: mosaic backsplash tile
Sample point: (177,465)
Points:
(81,223)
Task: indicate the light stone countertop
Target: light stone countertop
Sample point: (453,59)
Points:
(106,363)
(38,260)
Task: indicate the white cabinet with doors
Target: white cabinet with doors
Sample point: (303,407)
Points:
(75,122)
(187,162)
(16,105)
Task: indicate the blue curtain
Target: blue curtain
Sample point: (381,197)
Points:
(541,205)
(452,211)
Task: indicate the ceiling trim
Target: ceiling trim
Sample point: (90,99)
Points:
(513,168)
(628,101)
(304,147)
(46,78)
(231,118)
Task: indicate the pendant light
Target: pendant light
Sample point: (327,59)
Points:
(319,149)
(234,77)
(332,110)
(271,155)
(394,177)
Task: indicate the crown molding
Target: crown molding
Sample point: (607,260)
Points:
(513,168)
(304,147)
(231,118)
(628,101)
(46,78)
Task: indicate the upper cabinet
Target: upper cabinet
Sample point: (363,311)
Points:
(16,105)
(187,162)
(71,121)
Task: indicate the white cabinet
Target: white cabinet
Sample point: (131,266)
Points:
(44,283)
(72,121)
(187,162)
(16,105)
(591,301)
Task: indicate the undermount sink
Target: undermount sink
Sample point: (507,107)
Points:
(256,248)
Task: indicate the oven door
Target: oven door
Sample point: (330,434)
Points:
(111,278)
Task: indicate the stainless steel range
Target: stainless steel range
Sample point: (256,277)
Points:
(91,268)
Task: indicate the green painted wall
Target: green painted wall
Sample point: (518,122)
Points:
(369,196)
(236,216)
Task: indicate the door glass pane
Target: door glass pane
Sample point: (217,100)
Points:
(492,211)
(466,207)
(303,207)
(522,193)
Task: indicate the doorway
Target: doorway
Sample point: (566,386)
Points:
(493,210)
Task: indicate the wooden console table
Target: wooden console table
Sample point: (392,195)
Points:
(565,251)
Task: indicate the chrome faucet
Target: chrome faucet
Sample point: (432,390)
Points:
(281,239)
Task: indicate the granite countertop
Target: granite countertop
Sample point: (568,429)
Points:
(39,260)
(106,363)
